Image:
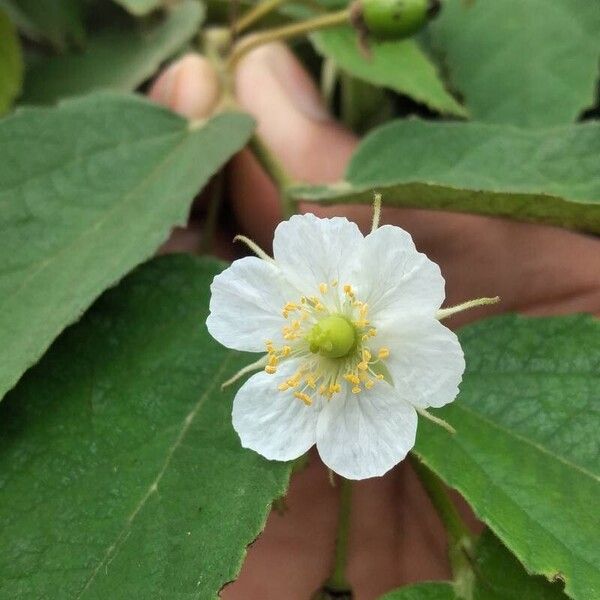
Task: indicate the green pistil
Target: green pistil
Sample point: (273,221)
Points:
(333,337)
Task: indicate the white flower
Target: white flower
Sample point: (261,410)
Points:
(354,348)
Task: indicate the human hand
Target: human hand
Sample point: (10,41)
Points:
(537,270)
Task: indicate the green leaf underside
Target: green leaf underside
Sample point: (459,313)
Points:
(398,65)
(140,7)
(531,63)
(11,63)
(116,59)
(59,22)
(548,175)
(498,576)
(88,190)
(526,452)
(120,472)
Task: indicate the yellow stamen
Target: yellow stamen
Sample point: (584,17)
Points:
(304,397)
(323,288)
(356,389)
(383,353)
(270,369)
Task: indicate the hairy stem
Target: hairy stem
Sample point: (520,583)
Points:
(276,171)
(461,540)
(338,582)
(248,43)
(255,13)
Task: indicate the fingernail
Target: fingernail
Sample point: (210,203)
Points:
(190,87)
(293,81)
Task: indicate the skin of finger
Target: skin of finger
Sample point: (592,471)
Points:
(389,544)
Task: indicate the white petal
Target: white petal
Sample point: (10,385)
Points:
(271,422)
(365,435)
(245,304)
(312,251)
(426,358)
(395,279)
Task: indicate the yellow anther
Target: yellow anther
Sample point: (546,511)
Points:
(352,378)
(286,351)
(380,377)
(363,366)
(383,352)
(366,355)
(356,389)
(270,369)
(283,387)
(272,362)
(334,388)
(334,283)
(304,397)
(372,332)
(322,390)
(311,382)
(348,291)
(323,288)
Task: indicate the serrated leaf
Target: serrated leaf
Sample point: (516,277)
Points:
(497,576)
(526,452)
(531,63)
(88,190)
(399,65)
(120,472)
(59,22)
(116,59)
(11,63)
(547,175)
(140,7)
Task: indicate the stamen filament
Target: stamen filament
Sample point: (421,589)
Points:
(444,313)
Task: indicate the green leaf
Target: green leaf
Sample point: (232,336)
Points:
(117,59)
(140,7)
(59,22)
(11,63)
(423,591)
(530,63)
(548,175)
(120,472)
(498,576)
(88,190)
(526,452)
(399,65)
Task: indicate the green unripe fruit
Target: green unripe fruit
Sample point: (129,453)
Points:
(396,18)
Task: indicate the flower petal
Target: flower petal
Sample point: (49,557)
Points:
(271,422)
(365,435)
(245,304)
(312,251)
(395,279)
(425,358)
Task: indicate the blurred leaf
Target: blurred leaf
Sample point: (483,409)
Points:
(141,7)
(547,176)
(11,63)
(120,472)
(117,59)
(59,22)
(530,63)
(526,452)
(499,576)
(88,190)
(398,65)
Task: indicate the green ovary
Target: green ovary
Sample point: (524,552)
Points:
(333,337)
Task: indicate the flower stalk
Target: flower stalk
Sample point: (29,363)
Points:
(338,582)
(460,539)
(254,14)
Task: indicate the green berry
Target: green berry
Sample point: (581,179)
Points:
(396,18)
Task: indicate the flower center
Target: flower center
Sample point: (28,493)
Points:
(330,337)
(333,336)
